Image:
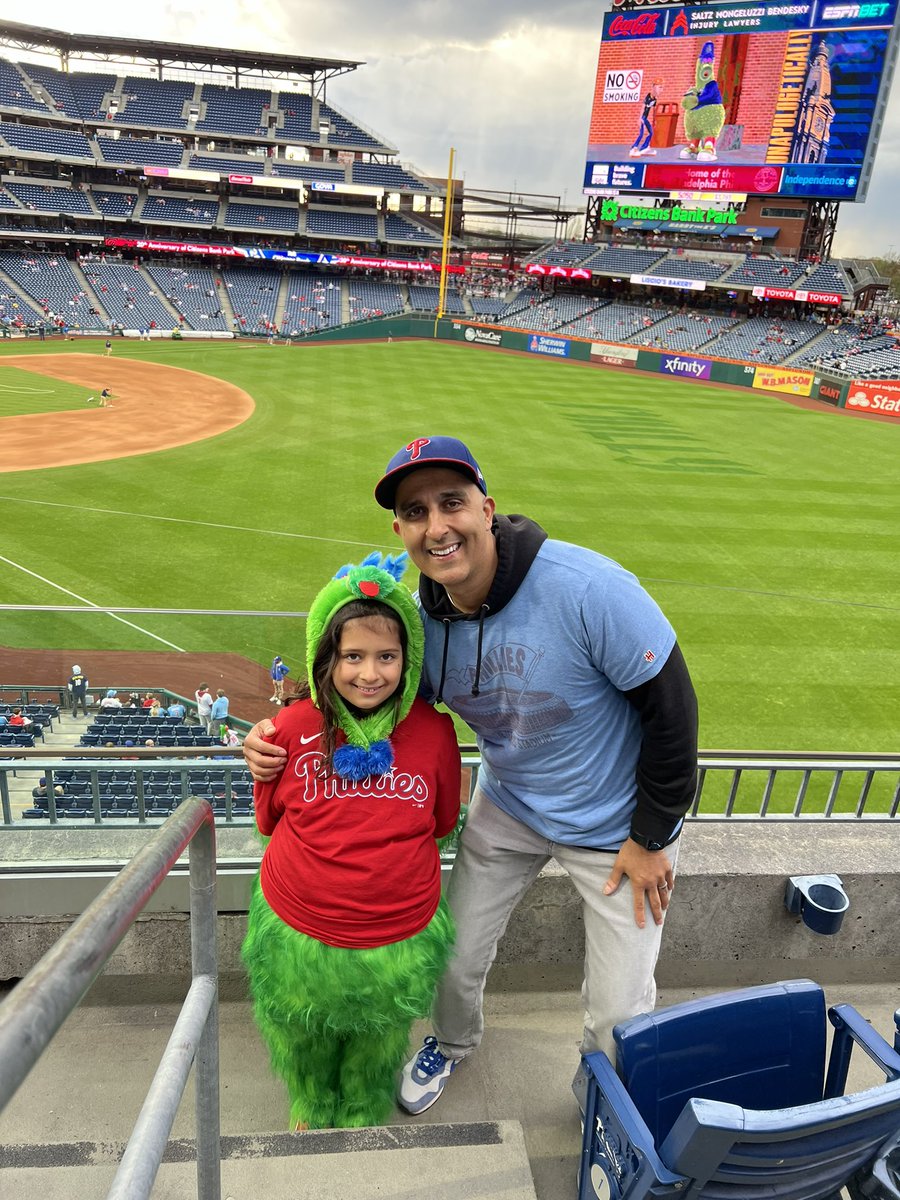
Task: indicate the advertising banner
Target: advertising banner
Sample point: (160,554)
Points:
(825,389)
(559,272)
(690,368)
(880,397)
(539,343)
(767,293)
(685,285)
(477,336)
(783,379)
(755,97)
(614,356)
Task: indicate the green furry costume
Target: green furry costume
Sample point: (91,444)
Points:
(337,1020)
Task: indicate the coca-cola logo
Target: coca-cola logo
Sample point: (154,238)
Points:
(643,25)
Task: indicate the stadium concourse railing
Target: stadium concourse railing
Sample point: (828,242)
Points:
(733,785)
(37,1007)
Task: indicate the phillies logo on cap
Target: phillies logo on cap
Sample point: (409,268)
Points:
(416,446)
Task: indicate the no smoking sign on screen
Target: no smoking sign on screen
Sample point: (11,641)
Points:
(622,86)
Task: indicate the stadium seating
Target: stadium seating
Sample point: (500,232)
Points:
(762,339)
(156,103)
(248,165)
(345,133)
(180,210)
(683,331)
(757,271)
(14,92)
(425,299)
(55,143)
(192,291)
(368,299)
(233,110)
(89,91)
(310,171)
(114,204)
(45,198)
(827,277)
(311,304)
(387,175)
(50,282)
(624,260)
(141,151)
(8,201)
(487,306)
(399,229)
(125,294)
(264,218)
(58,86)
(563,254)
(296,117)
(253,294)
(682,267)
(336,223)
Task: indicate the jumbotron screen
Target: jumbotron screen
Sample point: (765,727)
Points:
(779,97)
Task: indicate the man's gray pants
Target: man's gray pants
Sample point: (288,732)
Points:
(499,858)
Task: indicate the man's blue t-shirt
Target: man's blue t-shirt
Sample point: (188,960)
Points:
(559,740)
(219,708)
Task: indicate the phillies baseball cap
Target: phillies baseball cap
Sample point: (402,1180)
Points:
(427,452)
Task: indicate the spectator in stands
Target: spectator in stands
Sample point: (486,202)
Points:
(19,719)
(575,685)
(156,708)
(3,720)
(229,737)
(218,713)
(278,672)
(133,701)
(176,709)
(148,700)
(347,932)
(77,687)
(204,706)
(149,743)
(111,700)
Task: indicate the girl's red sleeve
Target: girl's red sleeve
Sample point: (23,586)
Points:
(449,779)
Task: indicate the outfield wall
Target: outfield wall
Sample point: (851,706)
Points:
(825,386)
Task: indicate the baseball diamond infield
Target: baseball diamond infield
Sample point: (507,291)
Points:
(154,407)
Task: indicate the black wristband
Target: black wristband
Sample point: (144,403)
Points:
(648,843)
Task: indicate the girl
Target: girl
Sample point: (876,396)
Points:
(347,931)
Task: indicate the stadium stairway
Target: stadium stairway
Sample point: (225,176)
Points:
(88,287)
(507,1125)
(281,298)
(807,346)
(63,734)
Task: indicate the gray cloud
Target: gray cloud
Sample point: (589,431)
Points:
(508,83)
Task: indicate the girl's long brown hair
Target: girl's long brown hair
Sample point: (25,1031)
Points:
(327,658)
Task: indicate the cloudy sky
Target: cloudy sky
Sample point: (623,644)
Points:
(508,83)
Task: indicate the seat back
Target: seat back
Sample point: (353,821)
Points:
(803,1153)
(754,1048)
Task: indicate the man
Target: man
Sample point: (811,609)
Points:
(176,709)
(586,719)
(78,691)
(204,706)
(218,714)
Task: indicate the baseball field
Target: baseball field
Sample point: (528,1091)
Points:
(239,476)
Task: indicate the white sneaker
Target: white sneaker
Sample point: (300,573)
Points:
(424,1077)
(273,699)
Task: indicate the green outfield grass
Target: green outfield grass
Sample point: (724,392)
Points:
(768,533)
(25,392)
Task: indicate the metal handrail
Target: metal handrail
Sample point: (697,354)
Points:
(33,1013)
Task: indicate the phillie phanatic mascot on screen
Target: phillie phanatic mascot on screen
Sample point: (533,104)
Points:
(704,113)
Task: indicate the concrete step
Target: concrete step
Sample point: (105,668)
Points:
(477,1160)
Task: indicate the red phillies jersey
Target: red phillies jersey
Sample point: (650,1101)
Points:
(355,862)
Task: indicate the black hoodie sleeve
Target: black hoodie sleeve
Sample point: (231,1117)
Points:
(667,767)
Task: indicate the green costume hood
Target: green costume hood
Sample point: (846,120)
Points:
(368,750)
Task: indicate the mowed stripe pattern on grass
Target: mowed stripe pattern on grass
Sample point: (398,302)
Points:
(765,531)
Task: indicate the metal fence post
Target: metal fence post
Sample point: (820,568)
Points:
(204,961)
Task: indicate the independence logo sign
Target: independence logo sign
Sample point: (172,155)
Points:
(691,368)
(558,347)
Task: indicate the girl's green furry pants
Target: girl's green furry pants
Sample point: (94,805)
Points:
(337,1021)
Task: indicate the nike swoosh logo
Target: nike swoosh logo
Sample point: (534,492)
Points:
(306,740)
